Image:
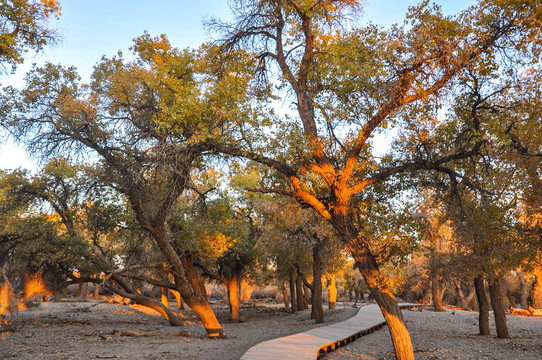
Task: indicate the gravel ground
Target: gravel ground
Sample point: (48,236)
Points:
(451,335)
(99,330)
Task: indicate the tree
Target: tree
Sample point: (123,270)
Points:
(125,119)
(24,27)
(317,60)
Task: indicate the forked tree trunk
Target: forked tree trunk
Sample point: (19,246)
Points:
(299,292)
(497,303)
(437,293)
(332,291)
(284,296)
(233,296)
(293,297)
(377,285)
(536,293)
(483,306)
(317,308)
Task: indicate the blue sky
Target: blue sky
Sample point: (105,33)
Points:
(92,28)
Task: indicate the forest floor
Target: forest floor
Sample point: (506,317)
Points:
(451,335)
(95,329)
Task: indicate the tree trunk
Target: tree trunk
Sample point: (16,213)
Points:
(293,296)
(483,306)
(470,302)
(284,296)
(299,292)
(460,297)
(306,296)
(332,291)
(233,296)
(164,296)
(377,285)
(97,290)
(179,299)
(497,303)
(197,298)
(82,291)
(536,293)
(524,290)
(317,308)
(437,293)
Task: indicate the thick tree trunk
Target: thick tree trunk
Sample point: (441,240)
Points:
(187,280)
(233,296)
(317,308)
(437,293)
(97,289)
(82,291)
(536,293)
(497,303)
(299,292)
(293,296)
(377,285)
(197,298)
(483,306)
(332,291)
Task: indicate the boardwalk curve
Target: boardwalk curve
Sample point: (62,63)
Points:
(310,344)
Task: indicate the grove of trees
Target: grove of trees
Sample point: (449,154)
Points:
(173,168)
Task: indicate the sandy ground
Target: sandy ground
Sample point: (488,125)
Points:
(98,330)
(451,335)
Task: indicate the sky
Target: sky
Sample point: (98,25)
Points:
(92,28)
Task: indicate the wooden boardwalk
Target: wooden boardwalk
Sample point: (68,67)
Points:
(312,343)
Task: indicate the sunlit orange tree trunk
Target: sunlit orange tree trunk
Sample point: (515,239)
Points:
(347,84)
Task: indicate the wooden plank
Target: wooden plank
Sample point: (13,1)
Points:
(307,345)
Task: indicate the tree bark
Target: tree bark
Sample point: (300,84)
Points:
(233,296)
(497,303)
(460,297)
(536,293)
(317,308)
(284,296)
(82,291)
(179,299)
(293,296)
(164,292)
(306,296)
(437,293)
(379,289)
(299,292)
(483,306)
(332,291)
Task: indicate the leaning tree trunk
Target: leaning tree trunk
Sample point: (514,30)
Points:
(497,303)
(385,299)
(232,283)
(332,291)
(131,293)
(293,296)
(178,298)
(317,308)
(164,296)
(187,280)
(483,305)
